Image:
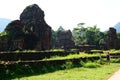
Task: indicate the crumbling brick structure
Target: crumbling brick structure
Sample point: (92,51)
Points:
(112,39)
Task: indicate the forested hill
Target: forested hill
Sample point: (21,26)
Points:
(3,23)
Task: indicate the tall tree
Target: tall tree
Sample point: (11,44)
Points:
(88,36)
(79,34)
(54,34)
(60,29)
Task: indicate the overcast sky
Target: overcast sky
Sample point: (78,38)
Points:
(68,13)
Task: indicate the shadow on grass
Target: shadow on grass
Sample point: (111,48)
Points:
(19,71)
(26,70)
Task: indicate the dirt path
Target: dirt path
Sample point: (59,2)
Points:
(115,76)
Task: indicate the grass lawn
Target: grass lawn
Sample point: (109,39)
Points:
(70,56)
(80,73)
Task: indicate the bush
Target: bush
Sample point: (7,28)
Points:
(82,63)
(115,60)
(67,65)
(101,61)
(91,65)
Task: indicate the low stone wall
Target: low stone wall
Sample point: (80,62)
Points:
(31,55)
(36,63)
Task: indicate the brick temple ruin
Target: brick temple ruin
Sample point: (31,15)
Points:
(112,40)
(65,40)
(30,32)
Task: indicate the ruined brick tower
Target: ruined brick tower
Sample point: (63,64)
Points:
(33,19)
(112,39)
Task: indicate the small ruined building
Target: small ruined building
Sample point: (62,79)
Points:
(65,40)
(112,40)
(31,31)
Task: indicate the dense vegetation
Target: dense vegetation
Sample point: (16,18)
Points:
(67,63)
(86,35)
(80,73)
(68,70)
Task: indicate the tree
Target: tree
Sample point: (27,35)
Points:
(79,34)
(88,36)
(54,34)
(93,35)
(60,29)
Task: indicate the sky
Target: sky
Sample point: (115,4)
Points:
(68,13)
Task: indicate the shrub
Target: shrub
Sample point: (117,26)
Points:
(91,65)
(67,65)
(115,60)
(101,61)
(82,63)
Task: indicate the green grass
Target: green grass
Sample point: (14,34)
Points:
(80,73)
(71,56)
(91,65)
(113,51)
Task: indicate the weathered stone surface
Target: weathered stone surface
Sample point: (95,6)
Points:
(65,39)
(15,26)
(32,13)
(15,35)
(3,43)
(33,18)
(112,39)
